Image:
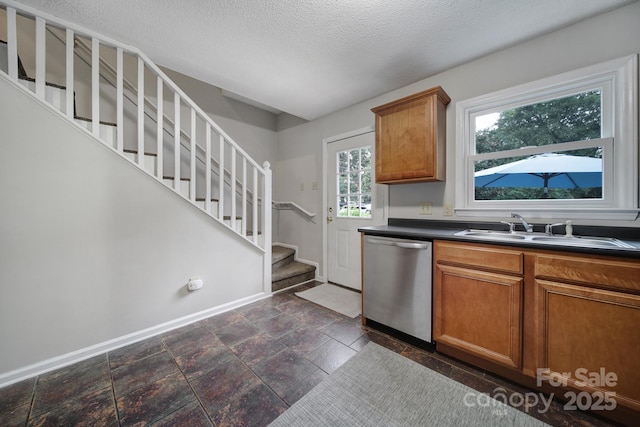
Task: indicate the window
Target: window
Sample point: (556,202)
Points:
(354,182)
(563,146)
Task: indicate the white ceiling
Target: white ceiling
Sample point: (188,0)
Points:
(313,57)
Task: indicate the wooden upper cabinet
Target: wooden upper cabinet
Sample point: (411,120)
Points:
(410,138)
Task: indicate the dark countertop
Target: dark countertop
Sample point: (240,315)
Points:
(445,230)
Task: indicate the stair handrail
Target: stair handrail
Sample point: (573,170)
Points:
(42,19)
(289,205)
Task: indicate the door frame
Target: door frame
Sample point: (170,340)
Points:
(325,194)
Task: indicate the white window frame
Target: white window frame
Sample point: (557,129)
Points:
(618,81)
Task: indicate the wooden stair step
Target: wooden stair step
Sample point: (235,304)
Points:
(172,178)
(184,189)
(87,119)
(130,151)
(107,131)
(31,79)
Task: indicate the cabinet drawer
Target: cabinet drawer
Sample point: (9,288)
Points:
(482,256)
(606,273)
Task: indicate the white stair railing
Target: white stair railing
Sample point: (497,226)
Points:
(241,181)
(288,205)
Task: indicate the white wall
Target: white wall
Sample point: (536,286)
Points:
(611,35)
(92,249)
(252,128)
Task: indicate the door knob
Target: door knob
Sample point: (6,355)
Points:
(329,218)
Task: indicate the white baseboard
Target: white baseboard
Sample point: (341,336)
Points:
(57,362)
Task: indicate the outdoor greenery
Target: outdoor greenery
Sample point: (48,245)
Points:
(572,118)
(357,212)
(354,182)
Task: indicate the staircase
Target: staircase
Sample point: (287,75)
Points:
(156,126)
(55,94)
(286,272)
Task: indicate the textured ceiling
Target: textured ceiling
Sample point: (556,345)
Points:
(312,57)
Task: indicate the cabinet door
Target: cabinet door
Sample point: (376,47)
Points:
(480,313)
(405,148)
(581,328)
(411,138)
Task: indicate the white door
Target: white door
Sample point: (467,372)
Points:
(353,201)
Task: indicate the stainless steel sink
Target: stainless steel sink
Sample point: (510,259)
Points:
(545,239)
(492,235)
(580,241)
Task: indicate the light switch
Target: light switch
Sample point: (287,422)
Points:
(425,208)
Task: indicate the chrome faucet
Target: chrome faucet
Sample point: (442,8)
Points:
(568,227)
(548,229)
(528,228)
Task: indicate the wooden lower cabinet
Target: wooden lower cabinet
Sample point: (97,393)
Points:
(479,312)
(567,323)
(589,337)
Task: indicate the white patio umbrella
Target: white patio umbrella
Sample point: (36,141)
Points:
(548,170)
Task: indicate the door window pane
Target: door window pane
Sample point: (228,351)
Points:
(354,182)
(343,161)
(354,160)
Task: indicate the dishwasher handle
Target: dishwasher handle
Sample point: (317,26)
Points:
(398,243)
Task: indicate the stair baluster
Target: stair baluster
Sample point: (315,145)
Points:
(252,187)
(140,113)
(41,49)
(69,56)
(12,44)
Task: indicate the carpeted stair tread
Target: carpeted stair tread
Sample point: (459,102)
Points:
(293,281)
(286,272)
(279,253)
(281,256)
(292,269)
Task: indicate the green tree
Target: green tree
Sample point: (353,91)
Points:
(354,182)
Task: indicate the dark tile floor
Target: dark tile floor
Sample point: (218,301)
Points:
(243,367)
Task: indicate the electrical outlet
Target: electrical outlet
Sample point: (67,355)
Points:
(447,210)
(314,185)
(302,186)
(425,208)
(194,283)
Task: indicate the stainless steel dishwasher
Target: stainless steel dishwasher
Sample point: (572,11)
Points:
(397,284)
